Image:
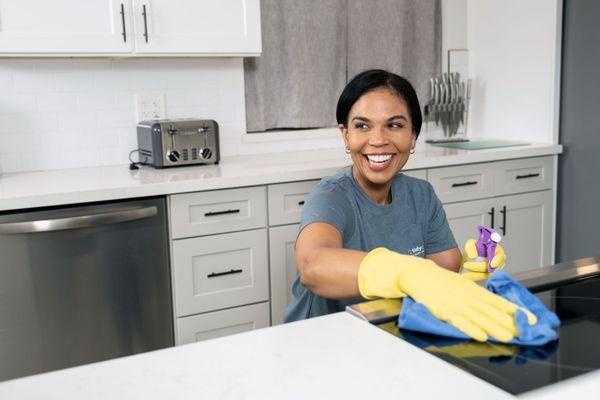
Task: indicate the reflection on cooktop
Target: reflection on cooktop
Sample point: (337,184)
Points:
(519,369)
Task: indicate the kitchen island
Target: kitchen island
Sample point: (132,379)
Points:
(335,356)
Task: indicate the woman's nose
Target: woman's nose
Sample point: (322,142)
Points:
(378,137)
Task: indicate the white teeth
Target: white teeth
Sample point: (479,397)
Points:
(379,158)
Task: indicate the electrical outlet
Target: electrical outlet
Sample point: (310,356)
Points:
(150,106)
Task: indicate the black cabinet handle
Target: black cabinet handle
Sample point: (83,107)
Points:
(491,214)
(468,183)
(213,213)
(503,227)
(123,22)
(301,203)
(231,271)
(527,176)
(145,23)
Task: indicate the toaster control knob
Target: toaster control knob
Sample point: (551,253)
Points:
(173,155)
(206,153)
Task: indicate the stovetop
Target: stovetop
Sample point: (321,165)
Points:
(575,298)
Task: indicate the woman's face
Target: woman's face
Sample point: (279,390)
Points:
(379,136)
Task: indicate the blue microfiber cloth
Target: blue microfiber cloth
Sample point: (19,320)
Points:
(415,317)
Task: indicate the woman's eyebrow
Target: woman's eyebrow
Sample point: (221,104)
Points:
(398,117)
(365,119)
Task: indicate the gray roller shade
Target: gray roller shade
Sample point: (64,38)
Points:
(401,36)
(302,70)
(312,47)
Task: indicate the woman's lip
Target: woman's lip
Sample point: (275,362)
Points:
(378,167)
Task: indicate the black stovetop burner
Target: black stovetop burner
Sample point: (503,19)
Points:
(518,369)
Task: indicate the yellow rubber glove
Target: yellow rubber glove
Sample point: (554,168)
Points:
(478,270)
(450,297)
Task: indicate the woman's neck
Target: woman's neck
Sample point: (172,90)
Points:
(380,194)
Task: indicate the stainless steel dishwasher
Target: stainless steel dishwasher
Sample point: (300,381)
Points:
(83,284)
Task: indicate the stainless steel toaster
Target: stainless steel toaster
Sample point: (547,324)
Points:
(175,142)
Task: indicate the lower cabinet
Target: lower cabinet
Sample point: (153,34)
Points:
(282,242)
(523,220)
(222,323)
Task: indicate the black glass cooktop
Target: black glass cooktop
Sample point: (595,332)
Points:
(518,369)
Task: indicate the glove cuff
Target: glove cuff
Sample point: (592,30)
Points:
(376,277)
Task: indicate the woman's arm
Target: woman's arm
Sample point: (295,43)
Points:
(327,269)
(449,259)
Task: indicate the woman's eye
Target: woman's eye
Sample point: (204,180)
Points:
(360,126)
(396,126)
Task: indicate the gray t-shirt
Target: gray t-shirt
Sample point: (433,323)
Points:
(414,223)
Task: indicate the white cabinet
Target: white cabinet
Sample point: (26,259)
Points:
(65,26)
(515,197)
(222,323)
(192,27)
(464,217)
(282,243)
(525,222)
(130,28)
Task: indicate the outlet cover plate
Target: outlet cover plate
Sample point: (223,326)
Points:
(150,106)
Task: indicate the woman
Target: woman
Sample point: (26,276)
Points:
(370,232)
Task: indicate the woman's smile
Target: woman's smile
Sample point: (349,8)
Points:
(379,161)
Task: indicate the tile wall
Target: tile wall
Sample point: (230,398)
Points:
(68,113)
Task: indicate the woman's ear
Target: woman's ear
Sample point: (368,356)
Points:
(344,132)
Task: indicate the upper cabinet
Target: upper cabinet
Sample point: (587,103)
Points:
(130,28)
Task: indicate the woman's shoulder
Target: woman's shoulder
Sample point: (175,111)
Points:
(339,183)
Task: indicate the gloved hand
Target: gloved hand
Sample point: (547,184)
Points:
(450,297)
(478,270)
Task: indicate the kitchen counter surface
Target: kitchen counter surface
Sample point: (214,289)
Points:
(71,186)
(335,356)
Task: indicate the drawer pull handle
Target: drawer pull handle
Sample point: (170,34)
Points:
(301,203)
(503,227)
(491,214)
(213,213)
(231,271)
(469,183)
(527,176)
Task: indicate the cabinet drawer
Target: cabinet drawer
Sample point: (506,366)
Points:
(286,200)
(222,323)
(523,175)
(463,182)
(220,271)
(218,211)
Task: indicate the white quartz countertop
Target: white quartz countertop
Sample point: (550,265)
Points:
(71,186)
(330,357)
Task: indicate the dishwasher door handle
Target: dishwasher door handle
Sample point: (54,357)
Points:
(78,222)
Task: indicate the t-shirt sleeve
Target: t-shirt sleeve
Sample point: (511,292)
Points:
(438,236)
(328,203)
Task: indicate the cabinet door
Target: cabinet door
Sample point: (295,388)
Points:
(65,27)
(282,241)
(464,217)
(525,223)
(222,323)
(197,27)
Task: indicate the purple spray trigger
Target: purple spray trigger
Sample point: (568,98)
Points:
(486,244)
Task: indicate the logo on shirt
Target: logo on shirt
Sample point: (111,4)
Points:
(416,251)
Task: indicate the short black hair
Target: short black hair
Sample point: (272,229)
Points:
(374,79)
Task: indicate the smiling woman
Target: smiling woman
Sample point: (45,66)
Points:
(370,231)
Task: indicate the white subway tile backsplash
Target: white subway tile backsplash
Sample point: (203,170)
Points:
(56,101)
(11,162)
(36,121)
(33,82)
(6,83)
(17,103)
(87,106)
(76,120)
(8,123)
(96,101)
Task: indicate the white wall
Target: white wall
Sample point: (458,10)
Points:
(66,113)
(514,59)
